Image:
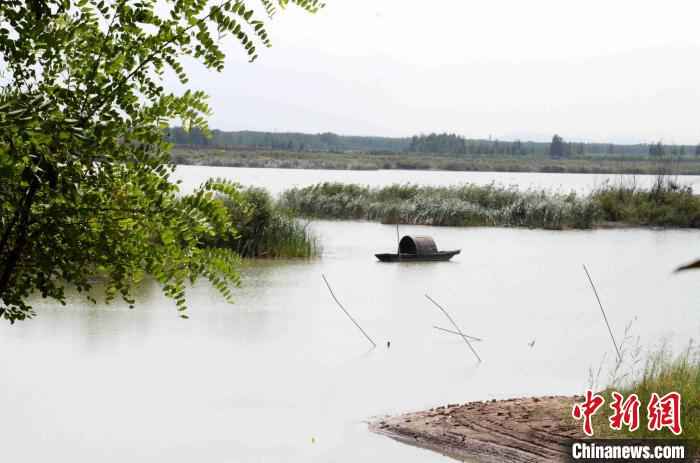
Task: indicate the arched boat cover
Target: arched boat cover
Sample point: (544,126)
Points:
(418,245)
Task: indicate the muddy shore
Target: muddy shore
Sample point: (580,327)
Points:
(514,430)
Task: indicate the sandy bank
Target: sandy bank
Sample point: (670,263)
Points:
(514,430)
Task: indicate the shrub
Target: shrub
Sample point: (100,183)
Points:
(266,230)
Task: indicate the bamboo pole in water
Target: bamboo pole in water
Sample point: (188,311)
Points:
(398,241)
(456,327)
(473,338)
(605,317)
(346,312)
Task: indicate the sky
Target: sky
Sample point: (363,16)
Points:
(622,71)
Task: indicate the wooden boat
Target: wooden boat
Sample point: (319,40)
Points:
(438,256)
(417,249)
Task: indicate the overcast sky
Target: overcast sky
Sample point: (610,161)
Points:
(599,70)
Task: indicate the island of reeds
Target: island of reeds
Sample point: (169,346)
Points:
(666,204)
(263,229)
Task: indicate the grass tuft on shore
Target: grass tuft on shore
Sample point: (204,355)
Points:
(662,373)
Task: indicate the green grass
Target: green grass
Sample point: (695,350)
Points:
(662,373)
(665,205)
(264,230)
(468,205)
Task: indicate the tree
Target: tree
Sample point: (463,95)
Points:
(84,171)
(439,143)
(518,148)
(697,150)
(557,148)
(657,150)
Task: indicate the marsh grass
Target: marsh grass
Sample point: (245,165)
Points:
(466,205)
(660,372)
(263,229)
(284,236)
(667,205)
(657,370)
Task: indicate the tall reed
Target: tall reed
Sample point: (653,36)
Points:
(662,372)
(465,205)
(666,204)
(263,229)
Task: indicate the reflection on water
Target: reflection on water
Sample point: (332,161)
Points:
(257,380)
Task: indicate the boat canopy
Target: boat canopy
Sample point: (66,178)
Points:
(418,245)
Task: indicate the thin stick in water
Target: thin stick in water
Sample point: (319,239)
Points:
(605,317)
(456,327)
(346,312)
(458,334)
(398,241)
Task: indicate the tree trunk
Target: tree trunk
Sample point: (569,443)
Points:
(13,256)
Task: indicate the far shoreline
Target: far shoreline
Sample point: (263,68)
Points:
(219,157)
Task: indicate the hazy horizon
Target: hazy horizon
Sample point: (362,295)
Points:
(547,139)
(623,72)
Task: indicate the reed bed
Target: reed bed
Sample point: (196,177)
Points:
(667,204)
(466,205)
(263,229)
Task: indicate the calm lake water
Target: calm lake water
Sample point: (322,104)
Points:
(283,375)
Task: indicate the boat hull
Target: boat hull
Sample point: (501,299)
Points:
(439,256)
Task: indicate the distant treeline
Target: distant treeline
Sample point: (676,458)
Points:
(446,143)
(433,143)
(287,141)
(558,148)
